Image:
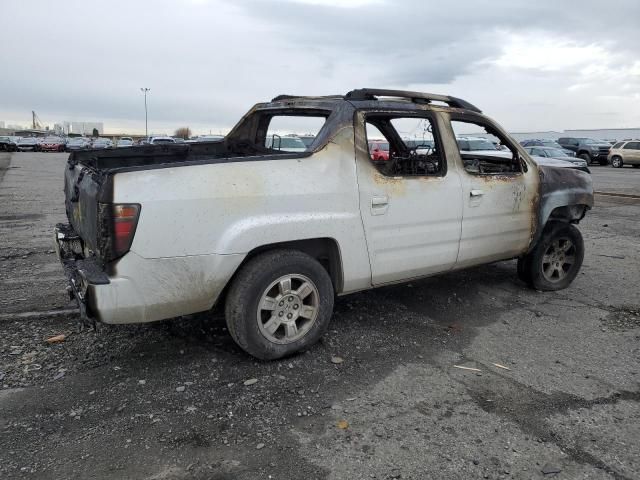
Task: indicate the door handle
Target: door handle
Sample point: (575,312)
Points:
(476,193)
(379,201)
(379,205)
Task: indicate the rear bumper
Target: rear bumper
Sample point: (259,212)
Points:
(81,273)
(141,289)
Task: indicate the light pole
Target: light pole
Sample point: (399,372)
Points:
(146,123)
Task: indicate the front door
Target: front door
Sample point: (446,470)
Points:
(499,194)
(410,203)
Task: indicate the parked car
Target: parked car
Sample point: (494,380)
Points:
(588,149)
(101,143)
(9,144)
(77,143)
(125,142)
(160,140)
(205,138)
(419,143)
(475,144)
(272,236)
(286,143)
(28,144)
(52,144)
(558,154)
(625,153)
(379,150)
(546,143)
(307,139)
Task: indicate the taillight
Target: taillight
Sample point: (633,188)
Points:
(125,219)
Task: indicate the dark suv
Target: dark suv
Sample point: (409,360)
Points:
(588,149)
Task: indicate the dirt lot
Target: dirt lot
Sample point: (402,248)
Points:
(169,400)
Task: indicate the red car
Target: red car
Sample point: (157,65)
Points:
(51,144)
(379,150)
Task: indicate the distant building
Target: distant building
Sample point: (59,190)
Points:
(84,128)
(78,128)
(1,124)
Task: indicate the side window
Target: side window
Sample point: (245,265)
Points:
(404,145)
(285,131)
(485,151)
(618,145)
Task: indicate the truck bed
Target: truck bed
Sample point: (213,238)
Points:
(90,175)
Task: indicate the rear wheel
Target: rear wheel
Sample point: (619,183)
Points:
(279,303)
(616,162)
(556,259)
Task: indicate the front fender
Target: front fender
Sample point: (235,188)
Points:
(562,187)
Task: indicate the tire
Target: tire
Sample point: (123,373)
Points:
(556,259)
(586,157)
(267,333)
(616,162)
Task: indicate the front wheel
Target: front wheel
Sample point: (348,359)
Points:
(616,162)
(556,259)
(586,157)
(280,302)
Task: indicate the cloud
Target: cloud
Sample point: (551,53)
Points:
(208,61)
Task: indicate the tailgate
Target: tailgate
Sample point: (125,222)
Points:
(85,190)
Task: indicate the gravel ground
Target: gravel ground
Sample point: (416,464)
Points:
(556,394)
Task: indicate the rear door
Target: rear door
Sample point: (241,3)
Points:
(499,192)
(410,204)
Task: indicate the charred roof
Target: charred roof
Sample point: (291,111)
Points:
(376,94)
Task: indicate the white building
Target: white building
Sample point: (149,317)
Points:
(85,128)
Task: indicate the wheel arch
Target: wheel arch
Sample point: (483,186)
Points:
(568,213)
(324,249)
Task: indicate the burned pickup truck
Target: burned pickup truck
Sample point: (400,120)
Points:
(272,235)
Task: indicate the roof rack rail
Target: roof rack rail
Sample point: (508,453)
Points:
(280,98)
(417,97)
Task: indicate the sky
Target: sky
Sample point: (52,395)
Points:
(532,65)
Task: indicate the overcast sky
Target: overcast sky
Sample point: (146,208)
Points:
(532,65)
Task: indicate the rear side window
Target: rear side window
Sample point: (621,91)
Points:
(618,145)
(284,132)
